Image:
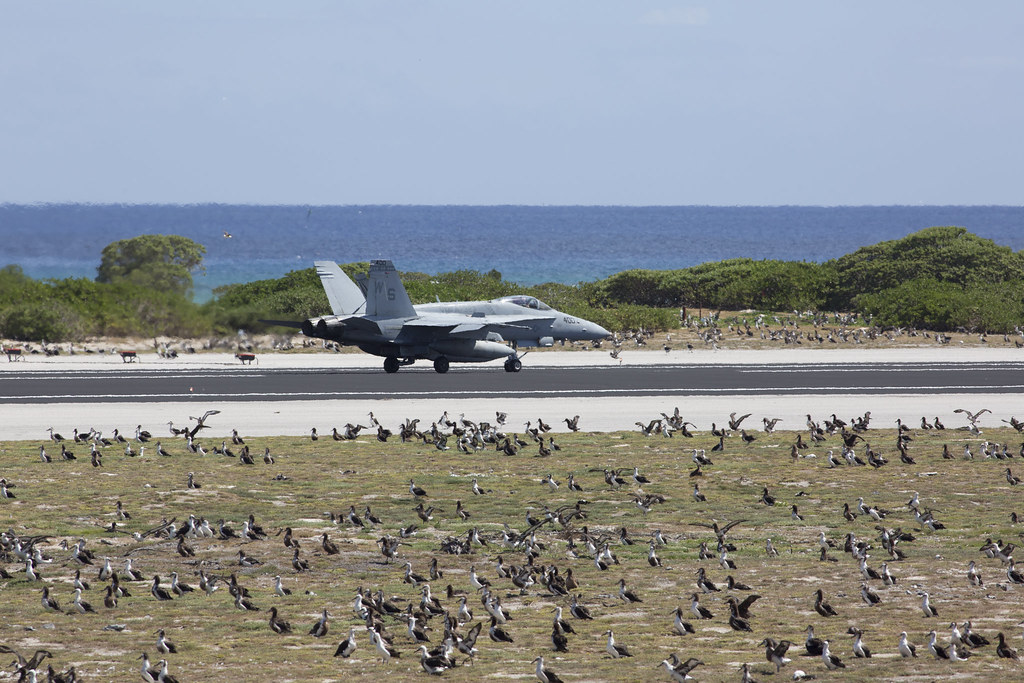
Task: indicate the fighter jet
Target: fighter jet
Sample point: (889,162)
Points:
(377,316)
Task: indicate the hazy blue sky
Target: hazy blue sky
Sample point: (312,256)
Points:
(513,102)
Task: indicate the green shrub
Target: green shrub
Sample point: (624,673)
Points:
(629,317)
(731,284)
(460,285)
(939,278)
(939,254)
(30,322)
(945,306)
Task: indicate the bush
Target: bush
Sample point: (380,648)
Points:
(460,285)
(628,317)
(296,296)
(30,322)
(730,284)
(940,254)
(945,306)
(74,308)
(939,278)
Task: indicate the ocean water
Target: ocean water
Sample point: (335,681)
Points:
(527,244)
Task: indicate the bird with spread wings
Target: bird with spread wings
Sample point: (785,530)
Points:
(201,421)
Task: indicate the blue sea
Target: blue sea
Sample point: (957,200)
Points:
(527,244)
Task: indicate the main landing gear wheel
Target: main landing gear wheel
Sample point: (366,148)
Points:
(441,365)
(513,365)
(391,365)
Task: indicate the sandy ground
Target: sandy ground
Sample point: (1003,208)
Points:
(19,422)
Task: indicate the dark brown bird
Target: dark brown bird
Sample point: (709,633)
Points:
(822,607)
(278,625)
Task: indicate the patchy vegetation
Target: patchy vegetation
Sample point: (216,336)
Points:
(732,284)
(67,500)
(941,279)
(77,308)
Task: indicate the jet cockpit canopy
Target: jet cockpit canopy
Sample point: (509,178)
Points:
(526,302)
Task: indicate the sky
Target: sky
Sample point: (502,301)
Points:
(587,102)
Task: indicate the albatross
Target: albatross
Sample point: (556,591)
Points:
(616,651)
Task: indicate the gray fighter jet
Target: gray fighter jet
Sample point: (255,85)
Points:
(377,316)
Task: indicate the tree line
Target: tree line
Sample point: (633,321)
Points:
(939,278)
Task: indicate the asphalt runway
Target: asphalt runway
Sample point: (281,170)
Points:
(116,384)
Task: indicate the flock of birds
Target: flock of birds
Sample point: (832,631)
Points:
(551,549)
(805,330)
(809,329)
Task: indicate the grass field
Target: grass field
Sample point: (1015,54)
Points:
(216,641)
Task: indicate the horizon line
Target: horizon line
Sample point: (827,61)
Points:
(4,205)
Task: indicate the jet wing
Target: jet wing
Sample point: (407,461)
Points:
(359,323)
(425,328)
(470,329)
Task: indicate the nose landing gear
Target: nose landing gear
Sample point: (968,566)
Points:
(512,363)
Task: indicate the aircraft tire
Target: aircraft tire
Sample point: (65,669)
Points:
(391,365)
(513,365)
(441,365)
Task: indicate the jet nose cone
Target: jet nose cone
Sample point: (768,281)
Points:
(599,332)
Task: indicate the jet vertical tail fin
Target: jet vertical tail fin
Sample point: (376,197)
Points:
(385,295)
(343,294)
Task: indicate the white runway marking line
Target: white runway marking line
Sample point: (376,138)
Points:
(234,371)
(881,368)
(170,374)
(1008,388)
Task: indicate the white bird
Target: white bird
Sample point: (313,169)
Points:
(926,607)
(544,675)
(616,651)
(906,648)
(831,661)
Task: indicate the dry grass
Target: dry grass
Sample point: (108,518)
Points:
(70,500)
